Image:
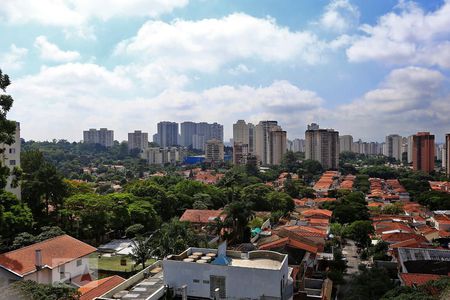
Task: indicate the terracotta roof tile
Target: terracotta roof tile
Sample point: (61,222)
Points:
(99,287)
(200,216)
(55,251)
(410,279)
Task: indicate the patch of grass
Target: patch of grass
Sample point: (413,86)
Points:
(113,263)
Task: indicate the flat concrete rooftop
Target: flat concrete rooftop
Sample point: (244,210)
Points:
(259,263)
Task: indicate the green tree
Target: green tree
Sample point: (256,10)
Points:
(172,238)
(32,290)
(359,231)
(141,251)
(280,201)
(238,215)
(7,127)
(370,284)
(290,162)
(256,194)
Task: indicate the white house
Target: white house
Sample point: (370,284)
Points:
(59,259)
(231,275)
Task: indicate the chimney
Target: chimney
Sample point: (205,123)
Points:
(38,259)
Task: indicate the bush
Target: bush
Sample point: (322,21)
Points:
(134,230)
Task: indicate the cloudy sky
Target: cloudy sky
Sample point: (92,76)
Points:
(366,68)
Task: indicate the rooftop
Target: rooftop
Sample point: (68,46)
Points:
(55,251)
(258,259)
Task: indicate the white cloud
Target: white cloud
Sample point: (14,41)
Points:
(408,100)
(340,16)
(77,96)
(410,36)
(208,44)
(52,52)
(79,12)
(13,60)
(240,69)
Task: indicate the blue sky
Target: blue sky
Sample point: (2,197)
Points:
(366,68)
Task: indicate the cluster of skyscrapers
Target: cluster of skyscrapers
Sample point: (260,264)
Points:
(266,142)
(192,135)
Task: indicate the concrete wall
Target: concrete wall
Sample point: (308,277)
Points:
(240,282)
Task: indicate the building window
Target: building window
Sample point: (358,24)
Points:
(217,282)
(196,281)
(206,281)
(79,262)
(12,162)
(12,150)
(62,270)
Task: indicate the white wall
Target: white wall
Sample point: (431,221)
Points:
(241,282)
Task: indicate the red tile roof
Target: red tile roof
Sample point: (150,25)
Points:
(200,216)
(290,242)
(321,212)
(410,279)
(55,251)
(99,287)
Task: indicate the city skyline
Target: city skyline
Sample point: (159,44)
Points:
(96,68)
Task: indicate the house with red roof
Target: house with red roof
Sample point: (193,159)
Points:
(416,279)
(59,259)
(96,288)
(201,217)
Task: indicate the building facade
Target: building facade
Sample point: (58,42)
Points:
(298,145)
(188,130)
(214,151)
(265,274)
(270,142)
(423,152)
(447,152)
(164,156)
(137,140)
(322,145)
(345,143)
(103,137)
(393,146)
(11,159)
(167,134)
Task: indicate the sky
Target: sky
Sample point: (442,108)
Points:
(366,68)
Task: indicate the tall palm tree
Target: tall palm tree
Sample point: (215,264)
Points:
(141,251)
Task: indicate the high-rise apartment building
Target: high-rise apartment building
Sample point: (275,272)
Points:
(298,145)
(410,149)
(188,130)
(241,132)
(11,159)
(214,151)
(393,146)
(447,156)
(345,143)
(137,140)
(423,152)
(164,156)
(103,137)
(195,135)
(322,145)
(167,134)
(270,142)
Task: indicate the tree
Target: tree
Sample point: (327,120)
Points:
(370,284)
(15,217)
(256,194)
(280,201)
(7,127)
(141,251)
(290,162)
(238,214)
(359,231)
(434,289)
(32,290)
(172,238)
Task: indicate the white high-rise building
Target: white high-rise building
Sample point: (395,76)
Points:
(270,142)
(103,137)
(322,145)
(163,156)
(410,149)
(137,140)
(11,159)
(168,134)
(346,143)
(241,132)
(298,145)
(393,146)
